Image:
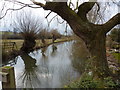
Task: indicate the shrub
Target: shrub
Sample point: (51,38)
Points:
(87,81)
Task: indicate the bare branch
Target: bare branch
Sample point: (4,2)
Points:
(51,20)
(12,10)
(38,3)
(60,22)
(48,14)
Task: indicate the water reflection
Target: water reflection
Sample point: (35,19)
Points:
(79,56)
(43,50)
(50,67)
(54,50)
(29,77)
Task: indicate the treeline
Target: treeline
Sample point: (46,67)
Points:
(43,34)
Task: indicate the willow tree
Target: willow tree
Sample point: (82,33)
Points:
(94,35)
(29,26)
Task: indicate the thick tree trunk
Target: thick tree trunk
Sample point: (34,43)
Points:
(28,46)
(97,49)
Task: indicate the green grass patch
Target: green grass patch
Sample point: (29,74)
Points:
(38,42)
(87,81)
(7,67)
(117,56)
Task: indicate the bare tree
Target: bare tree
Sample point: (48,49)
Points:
(55,34)
(43,34)
(29,26)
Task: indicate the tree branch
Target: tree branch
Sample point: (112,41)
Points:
(84,9)
(12,10)
(38,3)
(111,23)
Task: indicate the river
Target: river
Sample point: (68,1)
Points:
(51,67)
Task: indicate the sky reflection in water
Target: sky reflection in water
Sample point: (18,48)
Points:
(51,67)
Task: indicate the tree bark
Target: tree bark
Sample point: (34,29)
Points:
(97,49)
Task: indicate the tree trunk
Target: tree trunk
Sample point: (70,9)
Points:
(28,46)
(97,49)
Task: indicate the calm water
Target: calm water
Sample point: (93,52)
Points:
(50,67)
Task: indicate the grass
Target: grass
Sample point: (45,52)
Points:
(117,56)
(38,42)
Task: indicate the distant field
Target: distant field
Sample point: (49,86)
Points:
(20,42)
(38,42)
(5,32)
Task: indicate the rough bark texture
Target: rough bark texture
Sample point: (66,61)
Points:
(93,35)
(97,50)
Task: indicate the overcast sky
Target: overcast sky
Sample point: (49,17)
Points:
(9,18)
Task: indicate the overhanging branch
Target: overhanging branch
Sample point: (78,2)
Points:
(12,10)
(111,23)
(38,3)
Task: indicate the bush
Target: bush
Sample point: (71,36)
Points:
(87,81)
(115,35)
(55,34)
(44,34)
(110,83)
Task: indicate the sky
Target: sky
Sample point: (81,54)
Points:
(9,18)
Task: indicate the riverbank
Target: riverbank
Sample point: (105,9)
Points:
(7,54)
(39,43)
(87,81)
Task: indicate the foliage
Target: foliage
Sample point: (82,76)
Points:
(110,83)
(115,35)
(87,81)
(109,42)
(117,56)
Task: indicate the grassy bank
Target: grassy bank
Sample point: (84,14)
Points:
(38,42)
(8,54)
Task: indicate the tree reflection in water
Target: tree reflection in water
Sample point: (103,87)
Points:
(54,50)
(79,56)
(53,67)
(43,50)
(29,77)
